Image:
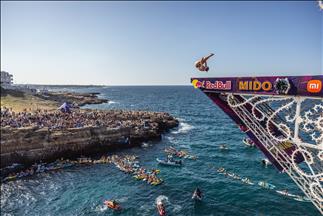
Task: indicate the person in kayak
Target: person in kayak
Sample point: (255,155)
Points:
(112,204)
(201,64)
(285,192)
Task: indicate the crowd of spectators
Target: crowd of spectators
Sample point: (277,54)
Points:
(78,118)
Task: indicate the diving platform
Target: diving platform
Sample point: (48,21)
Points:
(283,115)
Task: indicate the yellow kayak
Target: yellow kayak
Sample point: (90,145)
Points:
(155,183)
(139,177)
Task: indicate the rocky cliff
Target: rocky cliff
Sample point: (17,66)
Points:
(31,144)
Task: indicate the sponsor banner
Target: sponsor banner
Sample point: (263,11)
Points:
(275,85)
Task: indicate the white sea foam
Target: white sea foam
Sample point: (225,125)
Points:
(183,128)
(112,102)
(101,208)
(162,198)
(181,119)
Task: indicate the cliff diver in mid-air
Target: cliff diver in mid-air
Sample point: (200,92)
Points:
(201,64)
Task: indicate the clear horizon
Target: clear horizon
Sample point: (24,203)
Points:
(157,43)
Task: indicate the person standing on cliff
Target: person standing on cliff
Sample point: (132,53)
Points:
(201,64)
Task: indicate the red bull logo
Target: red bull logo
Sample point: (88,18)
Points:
(197,84)
(216,85)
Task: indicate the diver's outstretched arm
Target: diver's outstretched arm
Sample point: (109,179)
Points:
(209,56)
(204,59)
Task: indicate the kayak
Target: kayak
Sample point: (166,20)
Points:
(247,181)
(266,185)
(220,170)
(236,177)
(248,142)
(170,163)
(156,171)
(110,205)
(284,193)
(302,199)
(161,209)
(139,177)
(9,178)
(155,183)
(295,197)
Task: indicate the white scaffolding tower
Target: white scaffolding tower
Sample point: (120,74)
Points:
(300,122)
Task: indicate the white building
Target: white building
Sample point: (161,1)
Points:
(6,79)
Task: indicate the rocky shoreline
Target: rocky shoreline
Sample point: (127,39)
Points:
(28,145)
(20,100)
(73,98)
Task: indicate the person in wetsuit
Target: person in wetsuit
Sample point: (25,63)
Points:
(198,193)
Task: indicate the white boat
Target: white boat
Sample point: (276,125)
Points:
(285,193)
(302,199)
(170,162)
(266,162)
(247,181)
(266,185)
(248,142)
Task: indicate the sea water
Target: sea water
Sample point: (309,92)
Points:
(81,190)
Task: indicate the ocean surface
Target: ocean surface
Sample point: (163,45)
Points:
(203,127)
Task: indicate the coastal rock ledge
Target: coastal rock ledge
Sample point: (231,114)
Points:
(27,145)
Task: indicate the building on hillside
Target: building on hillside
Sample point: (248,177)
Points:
(6,79)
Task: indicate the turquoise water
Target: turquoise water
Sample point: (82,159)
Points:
(81,190)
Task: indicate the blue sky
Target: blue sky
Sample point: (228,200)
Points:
(156,43)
